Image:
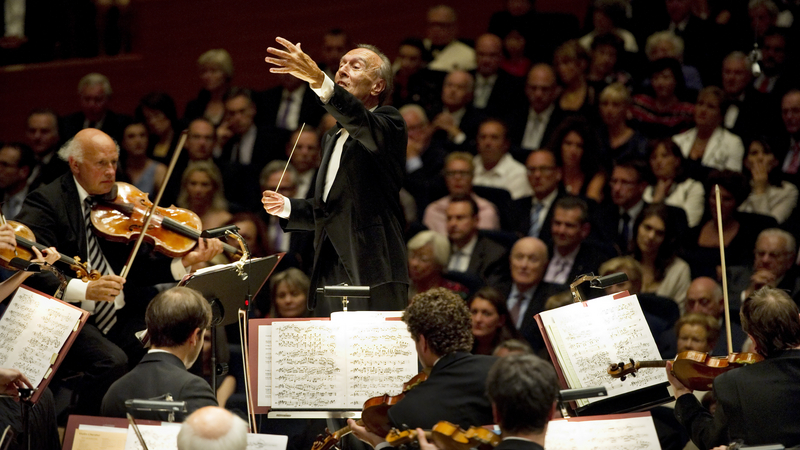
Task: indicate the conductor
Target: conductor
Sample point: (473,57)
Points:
(355,210)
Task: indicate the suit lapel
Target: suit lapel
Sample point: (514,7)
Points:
(75,215)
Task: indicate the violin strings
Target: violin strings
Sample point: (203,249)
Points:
(290,158)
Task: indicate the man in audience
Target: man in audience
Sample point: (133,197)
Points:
(627,187)
(775,79)
(529,291)
(424,157)
(573,255)
(495,89)
(532,128)
(755,403)
(446,52)
(705,297)
(471,252)
(41,135)
(290,105)
(334,45)
(789,144)
(213,428)
(94,92)
(773,266)
(494,165)
(305,160)
(749,113)
(535,213)
(458,174)
(441,326)
(16,163)
(177,320)
(458,120)
(200,140)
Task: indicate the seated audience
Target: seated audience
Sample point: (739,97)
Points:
(608,16)
(666,44)
(141,171)
(215,67)
(512,347)
(571,62)
(494,165)
(696,332)
(495,89)
(289,291)
(532,125)
(709,145)
(202,193)
(617,138)
(491,324)
(773,265)
(673,186)
(768,194)
(94,93)
(582,167)
(606,61)
(515,48)
(535,213)
(414,82)
(662,113)
(428,253)
(177,320)
(705,297)
(41,135)
(157,111)
(212,427)
(424,157)
(305,160)
(17,161)
(444,51)
(455,120)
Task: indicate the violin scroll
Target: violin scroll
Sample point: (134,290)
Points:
(82,271)
(621,370)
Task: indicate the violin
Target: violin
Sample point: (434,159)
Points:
(695,370)
(26,241)
(448,436)
(119,216)
(374,415)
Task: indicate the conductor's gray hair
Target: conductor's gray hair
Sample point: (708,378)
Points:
(384,72)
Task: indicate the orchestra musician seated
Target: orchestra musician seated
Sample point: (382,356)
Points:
(756,403)
(177,320)
(440,324)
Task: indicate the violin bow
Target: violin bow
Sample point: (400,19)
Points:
(290,158)
(724,273)
(149,214)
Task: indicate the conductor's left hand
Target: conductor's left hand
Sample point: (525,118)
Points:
(204,251)
(293,61)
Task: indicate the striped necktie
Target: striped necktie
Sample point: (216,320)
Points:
(105,312)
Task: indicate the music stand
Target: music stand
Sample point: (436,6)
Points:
(229,288)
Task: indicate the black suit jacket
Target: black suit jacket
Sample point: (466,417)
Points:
(508,92)
(522,212)
(588,259)
(756,403)
(158,374)
(517,120)
(269,103)
(113,125)
(489,261)
(362,217)
(529,329)
(454,391)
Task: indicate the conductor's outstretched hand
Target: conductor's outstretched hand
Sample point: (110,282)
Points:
(292,60)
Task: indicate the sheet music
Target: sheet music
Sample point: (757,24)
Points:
(157,437)
(264,395)
(380,358)
(589,337)
(636,433)
(107,438)
(309,367)
(33,330)
(266,442)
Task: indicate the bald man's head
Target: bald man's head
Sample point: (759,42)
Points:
(212,428)
(704,296)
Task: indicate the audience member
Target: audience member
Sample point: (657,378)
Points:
(535,213)
(512,347)
(203,194)
(414,82)
(573,255)
(789,143)
(157,110)
(215,68)
(289,292)
(494,165)
(748,113)
(617,138)
(495,89)
(141,171)
(768,194)
(470,251)
(455,119)
(663,114)
(709,144)
(571,62)
(446,52)
(582,167)
(704,296)
(608,16)
(773,266)
(213,428)
(491,323)
(746,397)
(516,47)
(254,233)
(41,135)
(94,93)
(673,186)
(335,44)
(428,252)
(543,114)
(654,245)
(700,37)
(305,160)
(16,163)
(177,320)
(775,79)
(617,218)
(666,44)
(605,67)
(289,105)
(696,332)
(424,157)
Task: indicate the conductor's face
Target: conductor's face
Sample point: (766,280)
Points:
(358,74)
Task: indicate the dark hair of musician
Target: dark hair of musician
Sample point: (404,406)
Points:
(174,314)
(443,318)
(772,318)
(522,389)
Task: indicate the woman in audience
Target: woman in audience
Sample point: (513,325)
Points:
(253,231)
(576,146)
(571,61)
(697,332)
(672,185)
(289,291)
(142,172)
(515,62)
(768,194)
(665,44)
(216,71)
(618,140)
(708,144)
(607,17)
(654,246)
(428,254)
(663,114)
(157,110)
(606,52)
(491,323)
(201,192)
